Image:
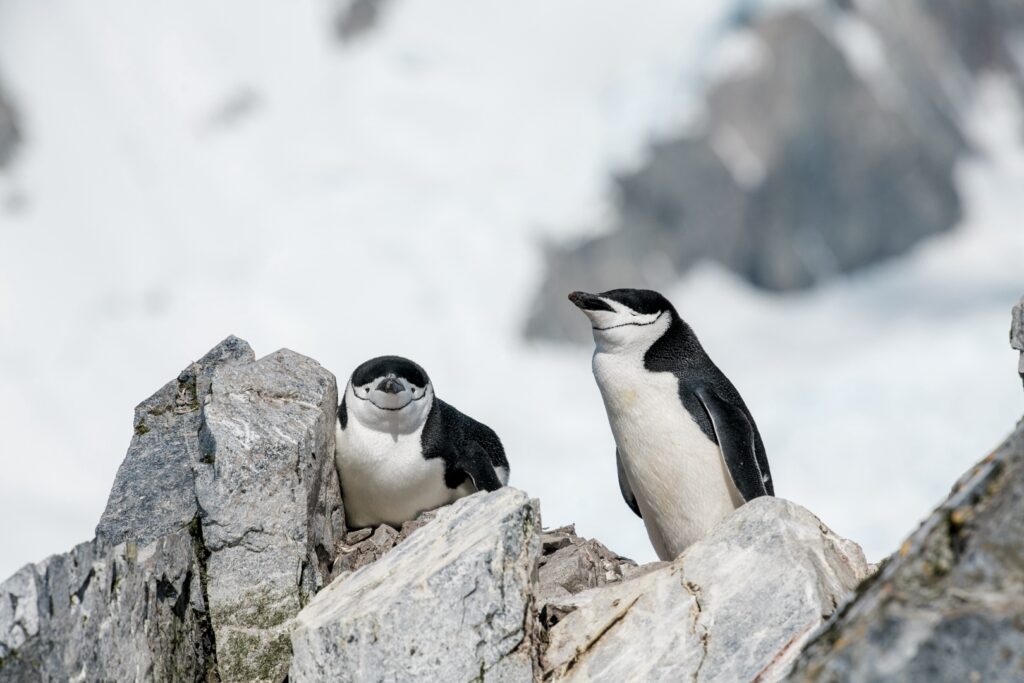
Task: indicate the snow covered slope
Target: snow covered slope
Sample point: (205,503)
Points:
(191,170)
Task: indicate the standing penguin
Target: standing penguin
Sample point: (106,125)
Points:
(400,450)
(688,451)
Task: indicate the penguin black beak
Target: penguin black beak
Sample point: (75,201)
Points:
(390,385)
(589,302)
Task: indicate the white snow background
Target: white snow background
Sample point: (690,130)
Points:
(193,170)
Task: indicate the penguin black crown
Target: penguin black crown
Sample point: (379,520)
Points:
(687,449)
(400,450)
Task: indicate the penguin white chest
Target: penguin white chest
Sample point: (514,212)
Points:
(385,478)
(676,473)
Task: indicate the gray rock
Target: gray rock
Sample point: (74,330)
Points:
(154,490)
(230,483)
(271,508)
(735,606)
(802,167)
(569,564)
(365,546)
(1017,335)
(451,603)
(949,606)
(111,613)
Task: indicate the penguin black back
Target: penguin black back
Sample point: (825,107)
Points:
(465,445)
(680,352)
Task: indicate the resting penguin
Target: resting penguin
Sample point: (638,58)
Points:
(688,451)
(400,450)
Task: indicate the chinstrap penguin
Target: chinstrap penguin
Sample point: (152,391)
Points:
(400,450)
(687,449)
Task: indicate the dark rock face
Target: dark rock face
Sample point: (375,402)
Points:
(950,604)
(9,135)
(153,492)
(113,613)
(823,155)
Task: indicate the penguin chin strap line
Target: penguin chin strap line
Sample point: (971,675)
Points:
(612,327)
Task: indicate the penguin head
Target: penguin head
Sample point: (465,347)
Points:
(626,319)
(389,394)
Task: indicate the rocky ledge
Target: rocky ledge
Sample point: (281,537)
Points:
(223,556)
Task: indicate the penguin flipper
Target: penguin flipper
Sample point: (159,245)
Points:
(476,463)
(738,440)
(627,492)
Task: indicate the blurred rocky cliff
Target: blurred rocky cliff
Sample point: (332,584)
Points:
(827,142)
(9,135)
(223,555)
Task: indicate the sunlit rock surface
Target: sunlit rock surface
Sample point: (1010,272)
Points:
(450,603)
(734,606)
(271,505)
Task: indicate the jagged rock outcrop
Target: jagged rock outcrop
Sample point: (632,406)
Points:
(734,606)
(271,505)
(450,603)
(949,606)
(154,489)
(829,145)
(222,523)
